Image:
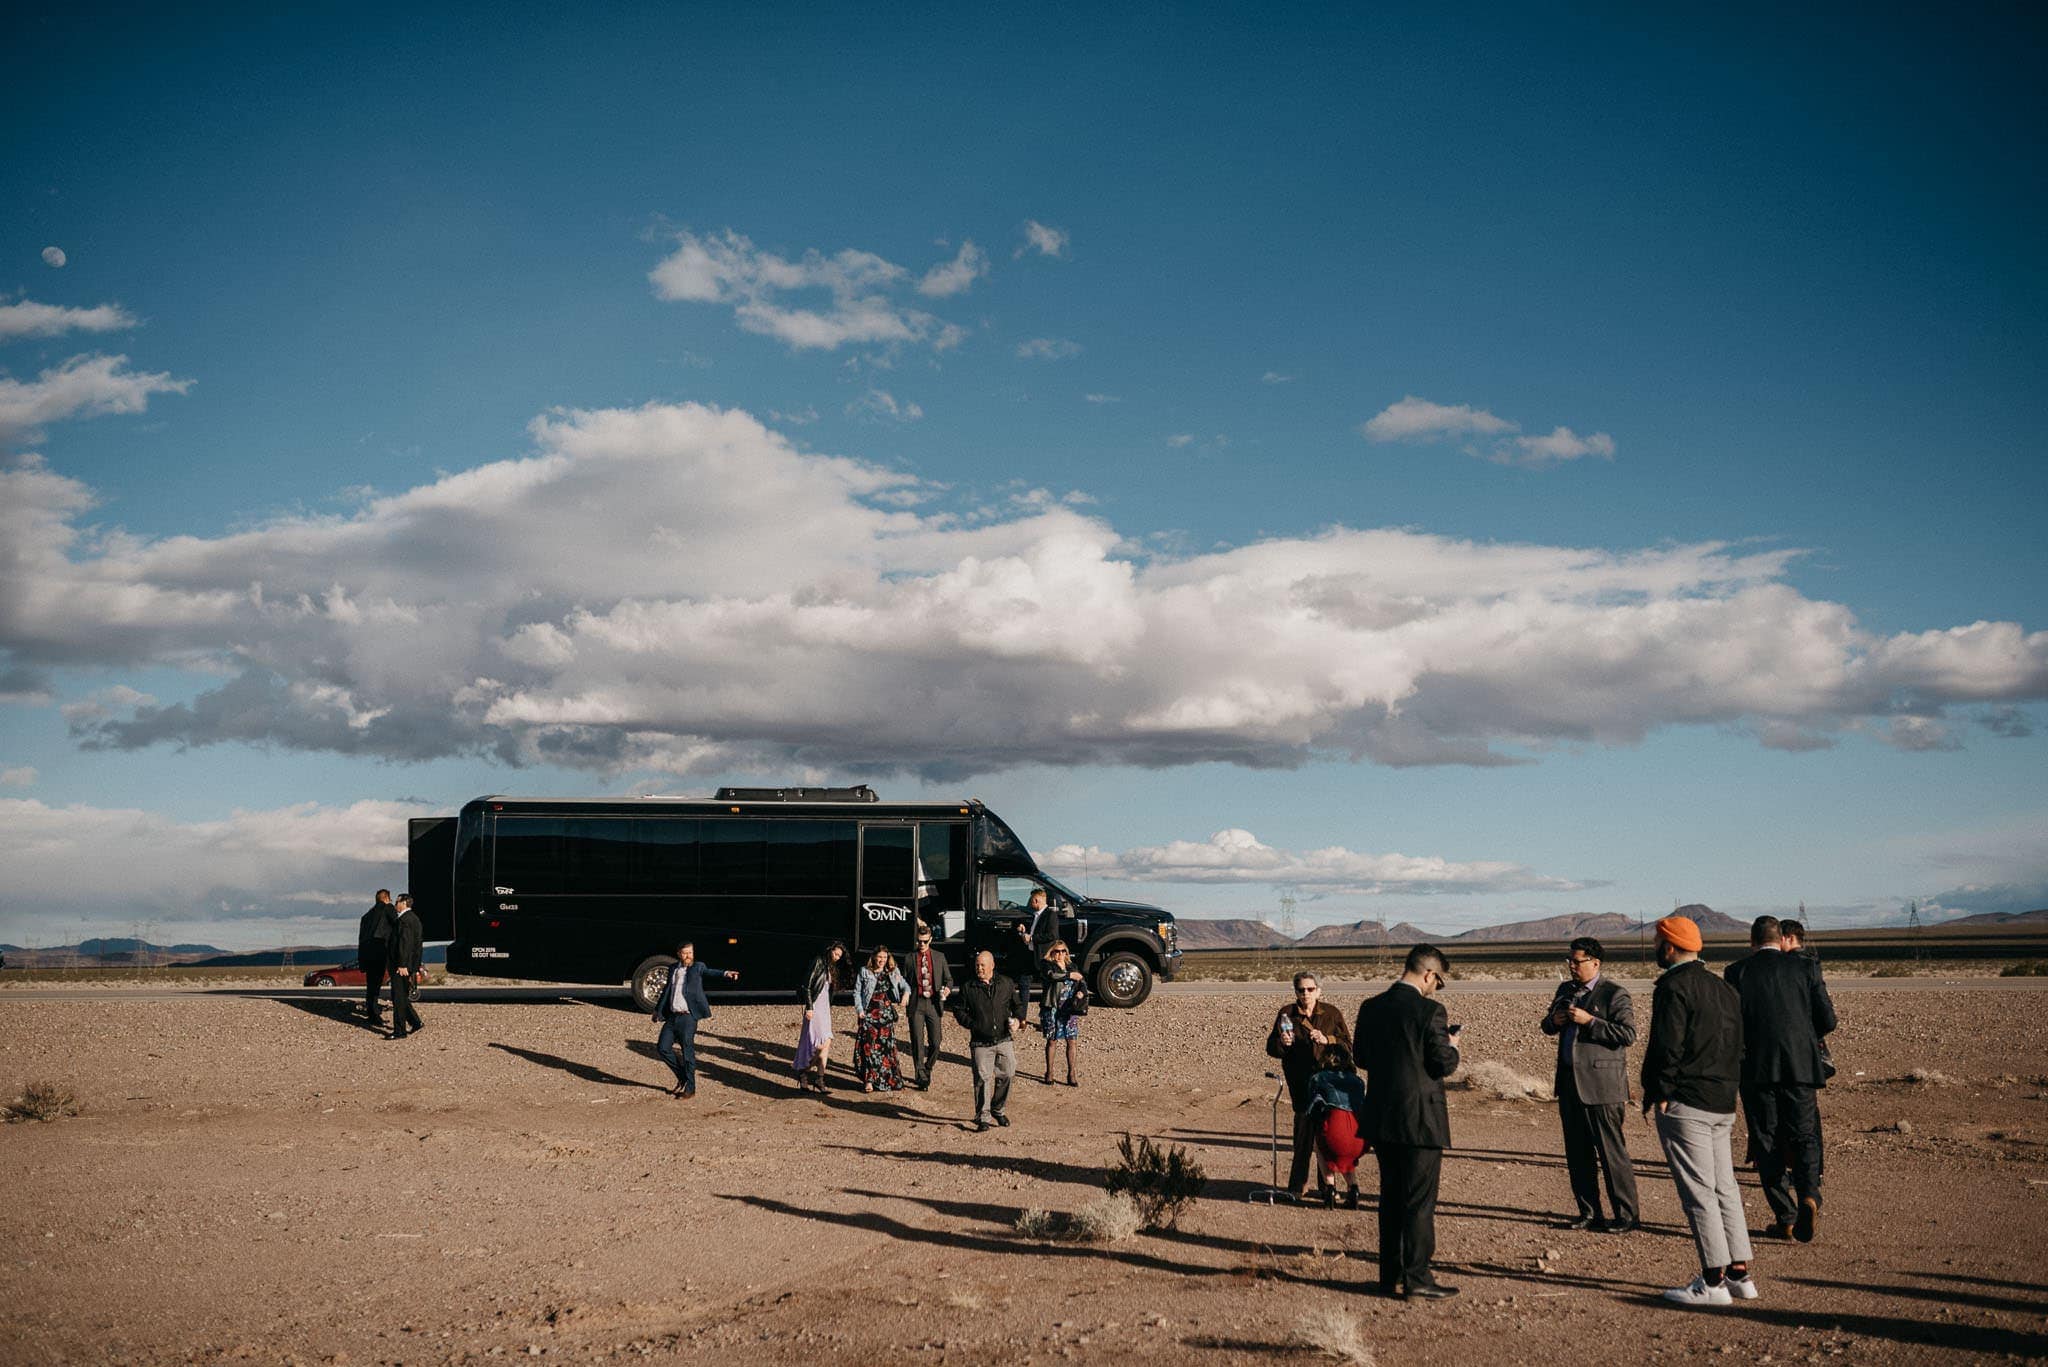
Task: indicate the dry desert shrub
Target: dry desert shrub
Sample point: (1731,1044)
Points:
(41,1101)
(1894,970)
(1931,1077)
(1497,1080)
(1162,1182)
(1334,1334)
(2025,968)
(1041,1224)
(1108,1220)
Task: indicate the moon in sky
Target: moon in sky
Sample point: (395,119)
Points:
(54,256)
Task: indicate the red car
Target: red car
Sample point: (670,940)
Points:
(349,974)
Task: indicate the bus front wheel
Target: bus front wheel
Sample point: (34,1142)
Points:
(650,979)
(1123,979)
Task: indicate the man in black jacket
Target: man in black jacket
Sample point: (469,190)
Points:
(1404,1048)
(373,950)
(407,939)
(989,1010)
(1595,1023)
(1785,1013)
(1690,1068)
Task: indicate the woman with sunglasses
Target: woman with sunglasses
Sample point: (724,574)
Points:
(1063,999)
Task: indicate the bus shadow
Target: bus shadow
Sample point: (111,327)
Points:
(584,1071)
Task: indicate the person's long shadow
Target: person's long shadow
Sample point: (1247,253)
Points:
(953,1239)
(2037,1288)
(327,1009)
(585,1071)
(1947,1334)
(754,1055)
(1613,1286)
(1644,1167)
(1944,1295)
(1218,1139)
(1006,1217)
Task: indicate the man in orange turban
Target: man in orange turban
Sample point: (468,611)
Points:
(1690,1071)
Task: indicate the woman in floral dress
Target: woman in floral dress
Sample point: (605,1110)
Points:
(878,995)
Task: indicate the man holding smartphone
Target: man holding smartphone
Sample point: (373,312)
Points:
(1405,1047)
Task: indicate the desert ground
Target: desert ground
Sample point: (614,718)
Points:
(261,1178)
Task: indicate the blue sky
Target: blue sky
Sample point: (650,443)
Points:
(1505,464)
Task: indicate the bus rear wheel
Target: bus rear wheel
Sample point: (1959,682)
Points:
(1123,979)
(650,979)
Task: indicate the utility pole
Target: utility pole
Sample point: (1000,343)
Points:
(1287,912)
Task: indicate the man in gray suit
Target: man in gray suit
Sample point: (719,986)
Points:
(1595,1022)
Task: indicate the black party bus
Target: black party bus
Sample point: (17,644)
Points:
(578,890)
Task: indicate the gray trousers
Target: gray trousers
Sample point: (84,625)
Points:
(994,1066)
(1700,1146)
(1595,1145)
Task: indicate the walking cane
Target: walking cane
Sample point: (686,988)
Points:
(1273,1193)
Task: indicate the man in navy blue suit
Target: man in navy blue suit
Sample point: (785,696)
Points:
(680,1007)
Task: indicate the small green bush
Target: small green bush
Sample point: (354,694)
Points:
(41,1101)
(2025,968)
(1163,1182)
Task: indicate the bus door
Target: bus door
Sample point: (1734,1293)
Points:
(883,913)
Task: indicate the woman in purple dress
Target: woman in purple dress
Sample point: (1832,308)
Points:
(814,1043)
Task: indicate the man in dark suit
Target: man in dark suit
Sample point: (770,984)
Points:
(1595,1022)
(1785,1013)
(373,951)
(680,1008)
(931,982)
(408,938)
(1404,1048)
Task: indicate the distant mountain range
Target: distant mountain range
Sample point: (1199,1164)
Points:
(2023,919)
(1193,932)
(131,953)
(1253,934)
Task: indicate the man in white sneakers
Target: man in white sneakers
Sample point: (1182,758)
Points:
(1690,1071)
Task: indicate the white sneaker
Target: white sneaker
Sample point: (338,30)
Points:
(1697,1292)
(1741,1288)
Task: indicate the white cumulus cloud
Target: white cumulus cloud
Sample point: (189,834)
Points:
(727,269)
(20,776)
(1043,239)
(27,318)
(880,403)
(677,588)
(1047,349)
(947,278)
(1412,419)
(82,387)
(1238,856)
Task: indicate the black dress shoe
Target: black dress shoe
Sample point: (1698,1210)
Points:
(1431,1291)
(981,1127)
(1002,1120)
(1582,1222)
(1351,1199)
(1390,1289)
(1619,1226)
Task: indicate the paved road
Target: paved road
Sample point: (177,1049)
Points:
(618,995)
